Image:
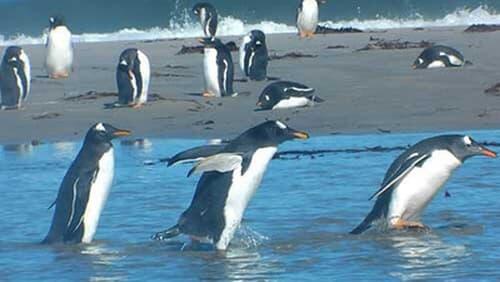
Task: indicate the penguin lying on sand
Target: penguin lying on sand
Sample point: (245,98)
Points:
(439,56)
(287,94)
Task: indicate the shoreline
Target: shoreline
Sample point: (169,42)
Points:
(366,92)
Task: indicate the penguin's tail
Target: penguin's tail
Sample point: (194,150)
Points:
(167,234)
(468,63)
(316,99)
(368,221)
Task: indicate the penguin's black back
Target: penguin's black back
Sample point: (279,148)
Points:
(223,57)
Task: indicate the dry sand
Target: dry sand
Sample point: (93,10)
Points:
(365,92)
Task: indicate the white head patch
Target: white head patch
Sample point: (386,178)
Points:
(13,59)
(267,97)
(281,125)
(51,19)
(467,140)
(100,127)
(420,61)
(123,62)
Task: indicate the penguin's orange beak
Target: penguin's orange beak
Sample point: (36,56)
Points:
(489,153)
(300,134)
(121,132)
(259,104)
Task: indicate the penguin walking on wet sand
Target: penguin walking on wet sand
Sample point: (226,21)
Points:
(232,172)
(218,68)
(85,188)
(132,77)
(254,56)
(208,18)
(15,78)
(416,176)
(439,56)
(59,57)
(308,17)
(287,94)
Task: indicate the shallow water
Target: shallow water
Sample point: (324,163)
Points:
(295,228)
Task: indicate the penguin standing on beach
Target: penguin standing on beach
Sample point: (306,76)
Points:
(416,176)
(85,188)
(308,17)
(439,56)
(59,57)
(218,68)
(232,172)
(132,77)
(287,94)
(15,77)
(208,18)
(254,55)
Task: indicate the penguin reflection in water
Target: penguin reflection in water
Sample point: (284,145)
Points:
(416,176)
(59,57)
(15,78)
(85,188)
(132,77)
(232,172)
(218,68)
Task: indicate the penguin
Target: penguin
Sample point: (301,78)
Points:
(231,174)
(254,56)
(15,78)
(85,188)
(208,18)
(439,56)
(132,77)
(307,17)
(218,68)
(59,57)
(416,176)
(287,94)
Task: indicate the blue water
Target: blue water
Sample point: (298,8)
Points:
(294,229)
(24,21)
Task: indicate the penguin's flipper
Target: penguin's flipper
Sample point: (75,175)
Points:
(404,169)
(196,153)
(223,162)
(166,234)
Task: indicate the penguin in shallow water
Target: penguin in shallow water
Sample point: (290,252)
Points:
(439,56)
(218,68)
(308,17)
(287,94)
(85,188)
(416,176)
(15,77)
(232,172)
(59,57)
(254,56)
(208,18)
(132,77)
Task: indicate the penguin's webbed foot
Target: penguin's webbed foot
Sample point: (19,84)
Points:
(207,94)
(400,224)
(160,236)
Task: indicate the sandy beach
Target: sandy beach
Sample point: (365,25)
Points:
(365,91)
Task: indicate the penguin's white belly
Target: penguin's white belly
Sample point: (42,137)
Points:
(436,64)
(292,102)
(419,186)
(211,71)
(308,19)
(27,73)
(99,192)
(145,74)
(19,86)
(455,60)
(241,192)
(59,51)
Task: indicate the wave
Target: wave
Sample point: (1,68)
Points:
(186,28)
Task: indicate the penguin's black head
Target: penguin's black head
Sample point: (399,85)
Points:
(127,59)
(56,21)
(272,133)
(199,6)
(13,55)
(419,63)
(269,97)
(258,37)
(464,147)
(211,42)
(104,133)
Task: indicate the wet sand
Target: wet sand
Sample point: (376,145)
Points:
(365,92)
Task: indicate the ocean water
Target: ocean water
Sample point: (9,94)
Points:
(24,21)
(296,227)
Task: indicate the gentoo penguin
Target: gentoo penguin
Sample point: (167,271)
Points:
(85,188)
(132,77)
(253,55)
(308,16)
(439,57)
(208,18)
(15,77)
(218,68)
(416,176)
(232,172)
(287,94)
(59,58)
